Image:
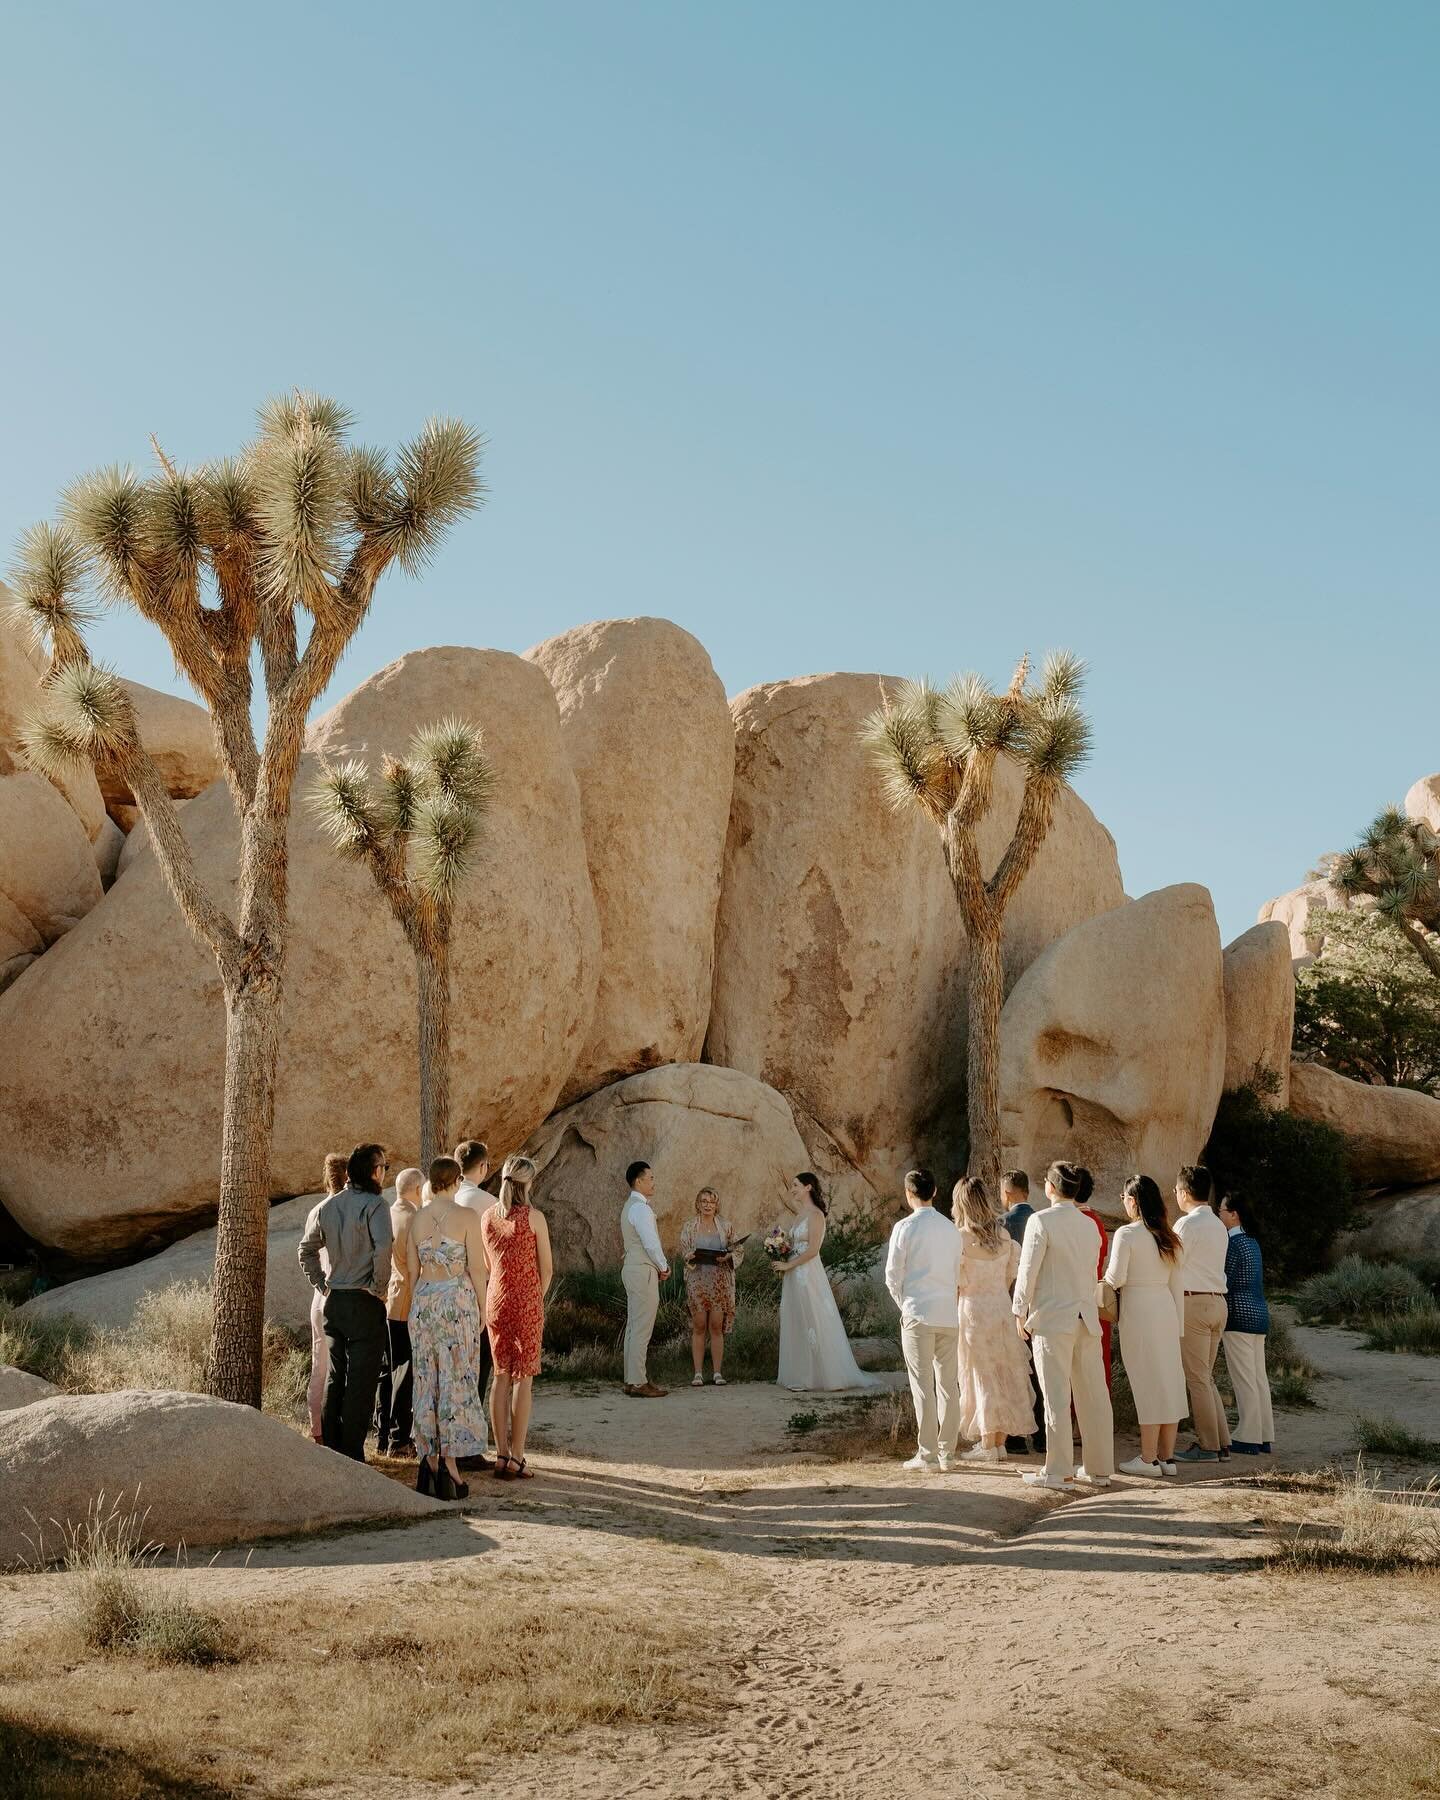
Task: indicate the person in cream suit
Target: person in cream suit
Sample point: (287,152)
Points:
(644,1268)
(1055,1309)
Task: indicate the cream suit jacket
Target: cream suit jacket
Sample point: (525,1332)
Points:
(1055,1288)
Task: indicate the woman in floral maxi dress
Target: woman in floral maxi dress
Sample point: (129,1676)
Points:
(995,1397)
(443,1255)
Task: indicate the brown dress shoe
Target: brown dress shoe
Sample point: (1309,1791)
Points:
(651,1392)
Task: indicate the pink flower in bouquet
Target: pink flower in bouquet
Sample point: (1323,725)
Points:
(777,1244)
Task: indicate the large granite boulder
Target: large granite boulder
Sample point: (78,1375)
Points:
(108,1301)
(1392,1134)
(697,1125)
(1302,913)
(202,1471)
(1404,1225)
(48,870)
(20,942)
(21,668)
(18,1387)
(1112,1045)
(1423,801)
(840,956)
(112,1062)
(181,741)
(647,729)
(1259,1007)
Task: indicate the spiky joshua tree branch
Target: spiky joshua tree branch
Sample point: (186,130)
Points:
(937,750)
(1397,862)
(278,548)
(417,830)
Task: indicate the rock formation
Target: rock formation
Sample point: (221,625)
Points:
(20,1388)
(1302,913)
(120,1044)
(1404,1226)
(108,1301)
(1423,801)
(207,1473)
(48,871)
(840,957)
(647,729)
(1259,1007)
(699,1126)
(1112,1045)
(1392,1134)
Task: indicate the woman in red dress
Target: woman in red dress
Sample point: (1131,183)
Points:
(1082,1200)
(518,1268)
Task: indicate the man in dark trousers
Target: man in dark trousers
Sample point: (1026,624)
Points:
(353,1228)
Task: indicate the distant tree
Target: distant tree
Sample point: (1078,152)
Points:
(937,751)
(1367,1007)
(416,832)
(224,560)
(1397,861)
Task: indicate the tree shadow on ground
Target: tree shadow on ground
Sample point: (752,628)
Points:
(43,1762)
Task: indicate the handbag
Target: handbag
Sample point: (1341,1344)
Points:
(1107,1302)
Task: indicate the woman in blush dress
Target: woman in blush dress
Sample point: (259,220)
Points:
(334,1178)
(443,1254)
(1145,1270)
(815,1354)
(517,1258)
(995,1397)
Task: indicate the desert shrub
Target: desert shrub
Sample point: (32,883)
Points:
(1416,1331)
(1387,1436)
(1355,1291)
(1368,1530)
(1294,1171)
(877,1427)
(44,1347)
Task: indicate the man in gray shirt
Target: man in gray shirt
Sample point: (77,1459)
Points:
(353,1227)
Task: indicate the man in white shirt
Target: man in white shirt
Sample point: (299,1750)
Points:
(922,1272)
(644,1268)
(474,1160)
(1203,1243)
(1054,1306)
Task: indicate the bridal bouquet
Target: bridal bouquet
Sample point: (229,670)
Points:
(777,1244)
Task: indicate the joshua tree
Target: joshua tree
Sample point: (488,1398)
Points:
(1398,861)
(938,751)
(225,558)
(417,835)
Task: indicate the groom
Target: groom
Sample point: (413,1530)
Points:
(1055,1310)
(642,1272)
(922,1272)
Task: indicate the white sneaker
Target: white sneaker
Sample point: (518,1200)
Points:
(984,1453)
(1169,1468)
(944,1464)
(1137,1465)
(1038,1478)
(699,1381)
(1093,1481)
(920,1463)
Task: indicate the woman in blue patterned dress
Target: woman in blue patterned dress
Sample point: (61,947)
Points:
(445,1259)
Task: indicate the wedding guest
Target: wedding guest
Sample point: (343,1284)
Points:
(1247,1320)
(644,1268)
(1145,1270)
(445,1258)
(710,1258)
(352,1230)
(397,1375)
(519,1267)
(1082,1200)
(1054,1306)
(995,1398)
(1015,1198)
(334,1180)
(922,1272)
(474,1160)
(1203,1245)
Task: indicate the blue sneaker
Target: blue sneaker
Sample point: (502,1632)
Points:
(1265,1450)
(1197,1454)
(1243,1449)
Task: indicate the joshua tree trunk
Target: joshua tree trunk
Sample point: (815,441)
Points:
(987,993)
(432,968)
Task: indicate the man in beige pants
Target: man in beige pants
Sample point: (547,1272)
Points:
(1203,1243)
(922,1272)
(644,1268)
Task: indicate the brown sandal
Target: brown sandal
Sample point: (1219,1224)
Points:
(522,1473)
(501,1472)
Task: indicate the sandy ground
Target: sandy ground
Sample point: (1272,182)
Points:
(913,1636)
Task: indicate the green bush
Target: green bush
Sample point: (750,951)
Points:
(1416,1332)
(1356,1291)
(1294,1172)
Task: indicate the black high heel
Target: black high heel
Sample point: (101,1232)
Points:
(424,1479)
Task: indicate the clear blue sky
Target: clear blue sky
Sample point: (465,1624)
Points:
(862,337)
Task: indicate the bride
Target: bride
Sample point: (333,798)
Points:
(814,1350)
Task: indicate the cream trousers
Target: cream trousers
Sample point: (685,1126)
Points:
(932,1363)
(1071,1367)
(1245,1359)
(642,1298)
(1204,1327)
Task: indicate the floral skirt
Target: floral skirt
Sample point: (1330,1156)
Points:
(445,1355)
(709,1287)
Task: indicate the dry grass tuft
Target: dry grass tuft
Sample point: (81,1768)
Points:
(1363,1528)
(877,1428)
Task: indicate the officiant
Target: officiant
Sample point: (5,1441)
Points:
(710,1254)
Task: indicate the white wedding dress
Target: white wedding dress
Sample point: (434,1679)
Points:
(815,1353)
